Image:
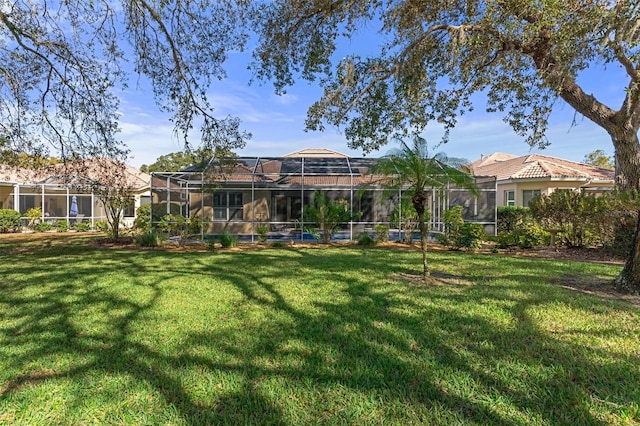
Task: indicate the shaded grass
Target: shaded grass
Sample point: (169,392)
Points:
(313,335)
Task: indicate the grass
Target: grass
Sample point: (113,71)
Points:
(307,336)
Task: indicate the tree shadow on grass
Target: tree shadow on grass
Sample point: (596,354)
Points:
(376,347)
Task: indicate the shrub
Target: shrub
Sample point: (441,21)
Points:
(382,233)
(34,214)
(577,216)
(150,238)
(458,234)
(9,220)
(328,214)
(364,239)
(509,218)
(405,218)
(262,233)
(471,235)
(528,234)
(102,226)
(278,244)
(82,226)
(227,240)
(42,227)
(62,225)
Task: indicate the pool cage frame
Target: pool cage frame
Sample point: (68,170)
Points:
(238,195)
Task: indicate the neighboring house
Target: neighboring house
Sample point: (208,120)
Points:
(56,188)
(239,194)
(519,179)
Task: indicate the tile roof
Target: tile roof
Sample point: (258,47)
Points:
(94,169)
(536,166)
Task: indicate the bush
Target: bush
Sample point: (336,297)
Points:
(42,227)
(526,235)
(62,225)
(262,233)
(382,233)
(509,218)
(102,226)
(150,238)
(471,236)
(82,226)
(364,239)
(578,216)
(34,214)
(458,234)
(9,220)
(227,240)
(278,244)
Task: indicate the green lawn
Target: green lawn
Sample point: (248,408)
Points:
(307,336)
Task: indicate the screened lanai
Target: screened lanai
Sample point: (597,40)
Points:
(238,195)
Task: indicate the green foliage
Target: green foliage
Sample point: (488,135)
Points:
(42,227)
(527,234)
(177,161)
(262,230)
(228,240)
(382,233)
(364,239)
(579,217)
(9,220)
(62,225)
(278,244)
(517,228)
(62,81)
(82,226)
(142,222)
(457,233)
(599,158)
(328,214)
(509,218)
(412,169)
(177,225)
(34,215)
(150,238)
(405,218)
(101,226)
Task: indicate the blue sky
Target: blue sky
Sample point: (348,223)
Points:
(277,122)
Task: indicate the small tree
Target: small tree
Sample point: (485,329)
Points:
(412,168)
(327,214)
(110,181)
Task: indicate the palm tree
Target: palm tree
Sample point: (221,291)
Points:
(413,170)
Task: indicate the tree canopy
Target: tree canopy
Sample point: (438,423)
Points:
(177,161)
(62,63)
(523,55)
(599,158)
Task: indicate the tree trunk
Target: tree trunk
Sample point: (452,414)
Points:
(423,245)
(627,155)
(419,201)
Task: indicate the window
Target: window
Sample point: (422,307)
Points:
(528,195)
(129,210)
(227,206)
(510,198)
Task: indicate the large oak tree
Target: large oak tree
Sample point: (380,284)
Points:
(62,63)
(524,55)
